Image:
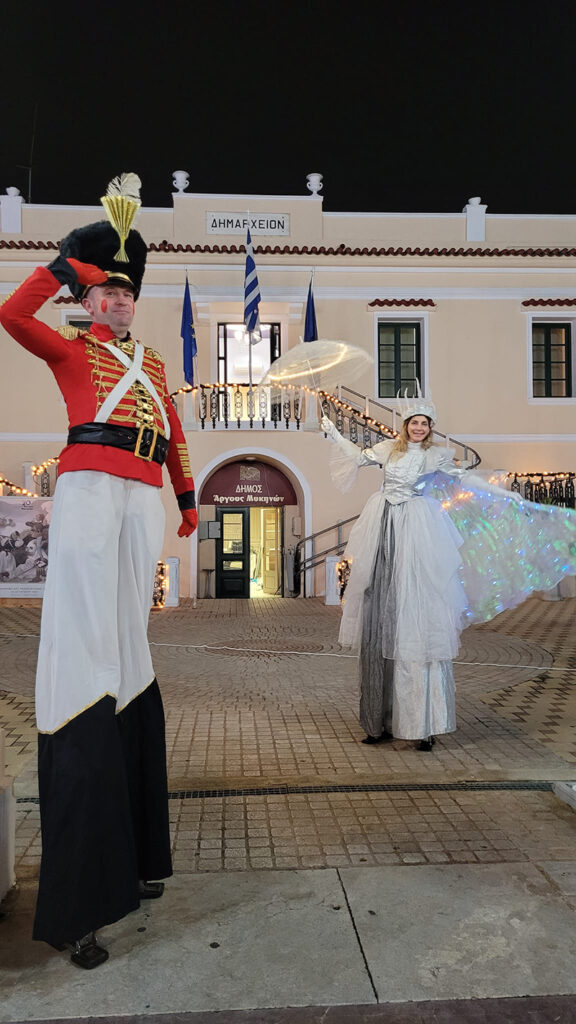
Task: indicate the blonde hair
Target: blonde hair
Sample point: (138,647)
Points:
(401,443)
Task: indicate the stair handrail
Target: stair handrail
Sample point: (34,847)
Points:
(373,422)
(317,557)
(372,429)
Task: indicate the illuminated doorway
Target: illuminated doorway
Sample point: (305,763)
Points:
(233,346)
(251,502)
(266,552)
(249,553)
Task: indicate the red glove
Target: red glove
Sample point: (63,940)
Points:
(87,273)
(189,522)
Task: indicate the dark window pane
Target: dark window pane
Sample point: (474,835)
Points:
(557,371)
(551,360)
(398,357)
(557,335)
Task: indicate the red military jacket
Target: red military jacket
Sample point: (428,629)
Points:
(86,372)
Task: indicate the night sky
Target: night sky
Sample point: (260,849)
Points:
(413,106)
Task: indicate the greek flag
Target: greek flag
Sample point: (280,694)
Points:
(251,294)
(310,328)
(188,336)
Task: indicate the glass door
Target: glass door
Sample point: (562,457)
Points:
(233,352)
(271,553)
(233,553)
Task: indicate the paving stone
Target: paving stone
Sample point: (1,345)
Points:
(293,719)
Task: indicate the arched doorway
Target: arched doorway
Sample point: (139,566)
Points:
(248,505)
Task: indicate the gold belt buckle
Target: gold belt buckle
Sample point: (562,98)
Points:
(137,453)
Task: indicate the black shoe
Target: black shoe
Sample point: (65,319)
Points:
(150,890)
(86,953)
(384,737)
(427,744)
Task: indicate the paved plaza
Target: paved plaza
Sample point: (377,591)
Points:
(275,804)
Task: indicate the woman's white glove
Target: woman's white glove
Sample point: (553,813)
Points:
(329,428)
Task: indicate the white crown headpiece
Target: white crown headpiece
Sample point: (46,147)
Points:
(417,405)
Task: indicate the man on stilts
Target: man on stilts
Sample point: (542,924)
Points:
(102,757)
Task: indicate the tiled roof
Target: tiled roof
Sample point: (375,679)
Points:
(549,302)
(402,302)
(312,250)
(12,244)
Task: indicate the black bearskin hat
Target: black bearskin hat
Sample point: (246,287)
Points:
(98,244)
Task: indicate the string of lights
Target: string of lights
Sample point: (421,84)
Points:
(192,388)
(541,473)
(369,421)
(38,470)
(160,585)
(187,389)
(14,488)
(545,488)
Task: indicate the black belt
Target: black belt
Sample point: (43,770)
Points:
(145,442)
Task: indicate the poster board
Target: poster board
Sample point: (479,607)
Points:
(24,526)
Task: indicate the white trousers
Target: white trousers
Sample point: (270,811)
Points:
(105,540)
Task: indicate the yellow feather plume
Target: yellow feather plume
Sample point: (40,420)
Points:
(122,202)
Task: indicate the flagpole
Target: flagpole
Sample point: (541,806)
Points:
(250,400)
(251,317)
(249,346)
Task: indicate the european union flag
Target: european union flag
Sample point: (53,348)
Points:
(310,327)
(251,294)
(188,336)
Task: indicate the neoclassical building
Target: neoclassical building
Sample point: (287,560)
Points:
(480,307)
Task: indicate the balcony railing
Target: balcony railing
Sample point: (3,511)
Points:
(245,407)
(362,419)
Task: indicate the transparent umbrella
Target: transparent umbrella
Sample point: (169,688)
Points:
(318,364)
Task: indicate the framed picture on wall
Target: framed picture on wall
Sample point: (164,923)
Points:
(24,526)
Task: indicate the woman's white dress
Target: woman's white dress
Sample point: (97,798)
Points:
(417,579)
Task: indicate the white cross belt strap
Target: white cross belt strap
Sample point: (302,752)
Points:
(134,373)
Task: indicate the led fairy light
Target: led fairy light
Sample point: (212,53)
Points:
(14,488)
(547,474)
(507,539)
(38,470)
(298,388)
(190,388)
(160,585)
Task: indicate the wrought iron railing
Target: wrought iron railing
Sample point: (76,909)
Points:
(363,421)
(239,406)
(242,406)
(366,420)
(307,555)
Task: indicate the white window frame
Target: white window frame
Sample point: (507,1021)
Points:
(549,318)
(414,316)
(216,318)
(67,315)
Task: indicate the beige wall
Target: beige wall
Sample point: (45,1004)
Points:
(476,335)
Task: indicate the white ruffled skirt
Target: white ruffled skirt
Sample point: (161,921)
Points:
(404,609)
(425,607)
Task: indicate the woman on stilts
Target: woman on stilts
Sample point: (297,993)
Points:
(420,572)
